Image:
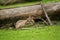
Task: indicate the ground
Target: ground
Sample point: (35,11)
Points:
(43,33)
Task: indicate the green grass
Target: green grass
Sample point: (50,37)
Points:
(19,5)
(27,4)
(44,33)
(50,1)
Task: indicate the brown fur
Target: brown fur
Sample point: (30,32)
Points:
(21,23)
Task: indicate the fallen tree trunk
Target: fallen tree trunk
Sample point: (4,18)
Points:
(24,12)
(30,10)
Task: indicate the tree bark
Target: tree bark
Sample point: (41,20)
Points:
(11,16)
(24,12)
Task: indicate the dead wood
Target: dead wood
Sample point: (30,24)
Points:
(13,15)
(24,12)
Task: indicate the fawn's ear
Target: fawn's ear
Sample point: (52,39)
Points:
(27,19)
